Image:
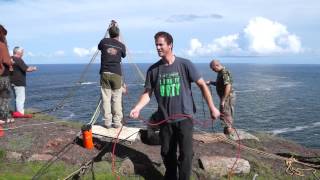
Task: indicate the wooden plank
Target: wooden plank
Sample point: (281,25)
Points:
(127,133)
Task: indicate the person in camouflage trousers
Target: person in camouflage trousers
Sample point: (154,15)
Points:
(226,94)
(4,99)
(5,68)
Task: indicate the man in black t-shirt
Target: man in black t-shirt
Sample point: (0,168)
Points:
(170,80)
(112,50)
(18,80)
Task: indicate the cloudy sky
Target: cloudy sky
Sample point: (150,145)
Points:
(257,31)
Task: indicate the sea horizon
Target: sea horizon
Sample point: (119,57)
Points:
(270,98)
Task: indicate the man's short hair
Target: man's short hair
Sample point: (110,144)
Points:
(213,61)
(17,49)
(168,38)
(114,31)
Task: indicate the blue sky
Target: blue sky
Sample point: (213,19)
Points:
(68,31)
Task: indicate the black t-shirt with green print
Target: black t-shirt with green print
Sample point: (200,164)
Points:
(171,85)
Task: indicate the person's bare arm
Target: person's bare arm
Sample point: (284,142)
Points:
(143,100)
(226,93)
(207,96)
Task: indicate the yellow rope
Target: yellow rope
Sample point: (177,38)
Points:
(288,161)
(296,171)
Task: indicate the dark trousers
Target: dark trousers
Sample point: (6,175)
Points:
(173,135)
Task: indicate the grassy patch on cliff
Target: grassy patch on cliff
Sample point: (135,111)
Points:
(45,134)
(46,118)
(59,170)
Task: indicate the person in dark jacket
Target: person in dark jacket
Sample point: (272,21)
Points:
(5,68)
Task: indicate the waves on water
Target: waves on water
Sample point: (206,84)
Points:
(293,129)
(87,83)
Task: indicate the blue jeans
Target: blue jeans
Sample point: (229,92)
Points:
(20,97)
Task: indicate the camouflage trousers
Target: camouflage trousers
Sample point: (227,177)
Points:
(4,97)
(228,110)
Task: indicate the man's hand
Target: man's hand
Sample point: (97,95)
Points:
(31,68)
(113,23)
(211,83)
(124,88)
(215,113)
(134,113)
(144,100)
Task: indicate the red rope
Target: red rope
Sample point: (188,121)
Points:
(113,152)
(204,124)
(238,155)
(172,118)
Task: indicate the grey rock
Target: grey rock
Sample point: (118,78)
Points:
(40,157)
(14,156)
(127,167)
(242,135)
(220,165)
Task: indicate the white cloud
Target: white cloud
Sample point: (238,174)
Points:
(82,52)
(223,45)
(260,37)
(227,44)
(30,54)
(269,37)
(81,23)
(177,18)
(196,48)
(59,53)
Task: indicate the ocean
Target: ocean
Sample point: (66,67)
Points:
(278,99)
